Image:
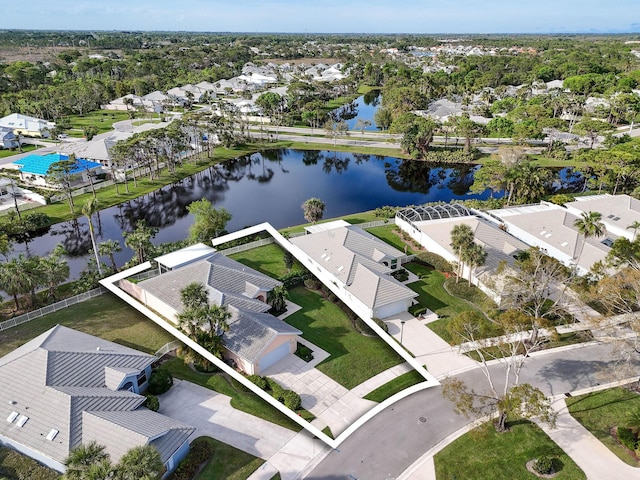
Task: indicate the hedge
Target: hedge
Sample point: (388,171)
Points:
(160,382)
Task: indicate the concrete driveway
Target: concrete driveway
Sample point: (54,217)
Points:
(212,415)
(330,402)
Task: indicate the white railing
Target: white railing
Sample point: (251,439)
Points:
(168,348)
(54,307)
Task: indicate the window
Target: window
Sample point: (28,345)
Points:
(142,377)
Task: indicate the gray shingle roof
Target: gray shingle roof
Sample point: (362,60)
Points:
(354,257)
(230,281)
(57,376)
(250,333)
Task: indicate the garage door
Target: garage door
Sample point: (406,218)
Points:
(273,356)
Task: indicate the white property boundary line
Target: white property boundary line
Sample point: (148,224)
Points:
(110,284)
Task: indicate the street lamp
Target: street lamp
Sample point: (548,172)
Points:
(402,322)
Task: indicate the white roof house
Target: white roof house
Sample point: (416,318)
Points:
(65,387)
(433,231)
(618,211)
(26,125)
(361,264)
(551,228)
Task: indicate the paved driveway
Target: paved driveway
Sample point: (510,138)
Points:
(212,415)
(329,401)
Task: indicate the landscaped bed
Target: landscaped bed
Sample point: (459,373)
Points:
(485,454)
(600,412)
(15,466)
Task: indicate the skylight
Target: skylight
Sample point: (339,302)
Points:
(22,420)
(12,416)
(52,434)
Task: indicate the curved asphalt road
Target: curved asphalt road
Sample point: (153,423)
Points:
(389,443)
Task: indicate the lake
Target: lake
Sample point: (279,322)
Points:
(266,187)
(363,107)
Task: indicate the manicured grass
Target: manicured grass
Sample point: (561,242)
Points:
(4,153)
(484,454)
(600,411)
(241,398)
(387,234)
(396,385)
(103,120)
(15,466)
(432,293)
(228,462)
(105,316)
(354,357)
(268,259)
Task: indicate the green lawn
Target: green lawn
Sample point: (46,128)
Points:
(396,385)
(387,234)
(15,466)
(268,259)
(105,316)
(4,153)
(228,463)
(600,411)
(103,120)
(354,357)
(484,454)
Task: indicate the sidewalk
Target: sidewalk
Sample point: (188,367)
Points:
(596,460)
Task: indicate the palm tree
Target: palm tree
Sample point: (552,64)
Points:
(20,276)
(313,209)
(277,298)
(54,270)
(109,248)
(589,225)
(474,255)
(461,238)
(88,209)
(140,463)
(82,458)
(634,226)
(140,240)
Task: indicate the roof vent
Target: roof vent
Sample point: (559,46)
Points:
(12,416)
(97,349)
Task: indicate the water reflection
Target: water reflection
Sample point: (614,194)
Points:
(268,186)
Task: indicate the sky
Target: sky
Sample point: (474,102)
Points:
(330,16)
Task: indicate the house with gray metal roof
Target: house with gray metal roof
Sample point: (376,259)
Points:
(431,227)
(255,339)
(8,139)
(361,264)
(65,388)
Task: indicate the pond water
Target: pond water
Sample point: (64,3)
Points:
(266,187)
(363,107)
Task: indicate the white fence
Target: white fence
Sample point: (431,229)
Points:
(167,348)
(54,307)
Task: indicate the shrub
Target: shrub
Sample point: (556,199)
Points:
(294,279)
(304,352)
(561,198)
(627,438)
(436,261)
(381,324)
(291,400)
(160,382)
(400,275)
(200,451)
(259,381)
(277,391)
(312,283)
(386,211)
(544,465)
(152,403)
